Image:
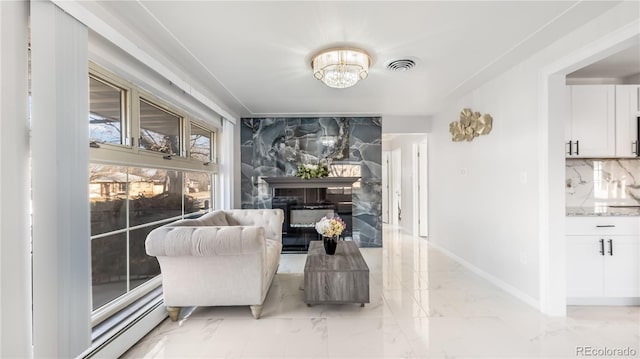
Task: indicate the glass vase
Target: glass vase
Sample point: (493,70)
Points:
(330,244)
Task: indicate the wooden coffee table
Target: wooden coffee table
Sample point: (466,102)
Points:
(335,279)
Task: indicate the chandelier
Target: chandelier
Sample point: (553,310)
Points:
(341,67)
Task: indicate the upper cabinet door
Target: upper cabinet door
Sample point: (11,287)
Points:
(593,120)
(627,113)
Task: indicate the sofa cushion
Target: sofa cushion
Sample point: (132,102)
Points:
(216,218)
(270,219)
(193,222)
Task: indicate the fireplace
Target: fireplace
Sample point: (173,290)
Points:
(305,202)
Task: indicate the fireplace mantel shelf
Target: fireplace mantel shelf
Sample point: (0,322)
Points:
(297,182)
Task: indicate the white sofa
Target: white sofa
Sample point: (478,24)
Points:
(223,258)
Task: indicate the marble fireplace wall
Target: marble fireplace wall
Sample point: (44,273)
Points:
(351,146)
(600,182)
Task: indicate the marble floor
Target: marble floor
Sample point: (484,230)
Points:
(423,305)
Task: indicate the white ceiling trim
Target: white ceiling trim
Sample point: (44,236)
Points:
(96,24)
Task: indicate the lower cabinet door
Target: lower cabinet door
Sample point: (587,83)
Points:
(585,267)
(622,266)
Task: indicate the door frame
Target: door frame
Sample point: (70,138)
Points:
(551,199)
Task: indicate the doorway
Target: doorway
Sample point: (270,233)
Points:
(405,190)
(421,180)
(395,210)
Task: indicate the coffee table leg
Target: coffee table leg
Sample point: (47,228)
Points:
(308,305)
(361,305)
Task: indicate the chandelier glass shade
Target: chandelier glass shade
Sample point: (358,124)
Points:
(341,67)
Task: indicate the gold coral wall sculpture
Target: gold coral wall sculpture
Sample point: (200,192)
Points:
(471,125)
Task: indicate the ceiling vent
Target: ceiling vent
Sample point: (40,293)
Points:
(401,65)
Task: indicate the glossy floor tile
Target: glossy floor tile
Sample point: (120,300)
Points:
(423,305)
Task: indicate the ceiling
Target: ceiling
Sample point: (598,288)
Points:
(255,56)
(620,65)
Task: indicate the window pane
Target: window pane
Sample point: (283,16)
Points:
(107,196)
(105,112)
(198,192)
(159,130)
(141,266)
(154,195)
(108,268)
(200,145)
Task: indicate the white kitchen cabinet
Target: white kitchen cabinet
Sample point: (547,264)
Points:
(622,266)
(627,113)
(585,274)
(603,258)
(591,127)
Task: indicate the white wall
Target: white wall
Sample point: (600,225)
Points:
(484,195)
(408,198)
(15,259)
(406,124)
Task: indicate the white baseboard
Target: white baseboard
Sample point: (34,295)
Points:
(494,280)
(604,301)
(128,333)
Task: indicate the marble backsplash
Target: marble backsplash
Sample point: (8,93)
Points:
(351,146)
(602,182)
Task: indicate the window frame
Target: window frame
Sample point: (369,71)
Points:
(125,106)
(212,139)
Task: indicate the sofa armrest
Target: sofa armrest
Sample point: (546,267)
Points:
(205,241)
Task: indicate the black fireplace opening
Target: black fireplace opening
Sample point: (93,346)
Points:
(304,207)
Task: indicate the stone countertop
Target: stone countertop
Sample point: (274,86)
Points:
(603,211)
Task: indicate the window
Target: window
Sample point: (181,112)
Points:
(159,129)
(106,112)
(135,189)
(200,143)
(121,220)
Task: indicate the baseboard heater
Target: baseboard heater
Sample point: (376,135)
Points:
(123,334)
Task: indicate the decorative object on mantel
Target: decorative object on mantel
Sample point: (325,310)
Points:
(312,171)
(330,228)
(471,125)
(341,67)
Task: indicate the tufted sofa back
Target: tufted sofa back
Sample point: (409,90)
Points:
(270,219)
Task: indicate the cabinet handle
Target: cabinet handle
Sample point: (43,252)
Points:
(611,247)
(605,225)
(570,147)
(638,132)
(602,246)
(577,148)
